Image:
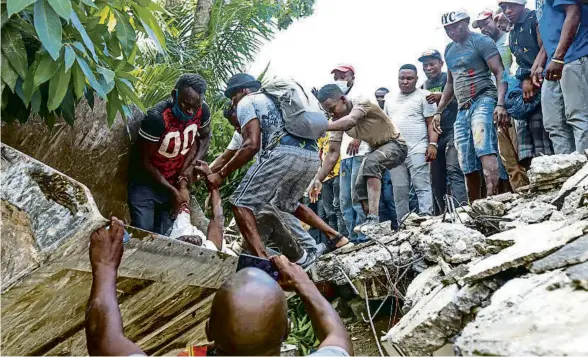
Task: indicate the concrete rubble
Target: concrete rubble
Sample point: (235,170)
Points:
(508,276)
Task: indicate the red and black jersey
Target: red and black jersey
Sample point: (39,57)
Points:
(175,137)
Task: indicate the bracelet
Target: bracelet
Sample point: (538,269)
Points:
(438,113)
(182,178)
(434,144)
(500,105)
(557,61)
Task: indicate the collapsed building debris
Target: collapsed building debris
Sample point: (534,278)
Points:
(506,275)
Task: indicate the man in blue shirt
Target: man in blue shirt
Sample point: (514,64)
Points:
(563,25)
(471,58)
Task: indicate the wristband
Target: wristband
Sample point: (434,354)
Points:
(557,61)
(434,144)
(500,105)
(438,113)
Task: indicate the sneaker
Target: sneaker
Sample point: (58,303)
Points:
(370,220)
(311,257)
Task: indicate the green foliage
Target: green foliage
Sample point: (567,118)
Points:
(301,331)
(56,52)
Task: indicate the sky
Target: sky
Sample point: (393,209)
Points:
(375,36)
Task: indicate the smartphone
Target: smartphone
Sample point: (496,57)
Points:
(249,261)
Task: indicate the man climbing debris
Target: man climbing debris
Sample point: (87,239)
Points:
(366,121)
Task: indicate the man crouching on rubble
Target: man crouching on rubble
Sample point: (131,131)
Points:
(366,121)
(239,325)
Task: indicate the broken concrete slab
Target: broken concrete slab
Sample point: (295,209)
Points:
(531,212)
(579,276)
(19,251)
(579,179)
(435,318)
(452,242)
(574,200)
(421,286)
(525,317)
(546,168)
(529,243)
(406,254)
(488,207)
(572,253)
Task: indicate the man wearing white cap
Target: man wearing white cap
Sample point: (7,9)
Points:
(507,136)
(564,30)
(470,58)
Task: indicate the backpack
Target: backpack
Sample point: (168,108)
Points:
(302,114)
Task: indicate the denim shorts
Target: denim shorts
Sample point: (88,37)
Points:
(475,135)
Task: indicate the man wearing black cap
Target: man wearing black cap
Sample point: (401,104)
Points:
(445,170)
(284,168)
(471,58)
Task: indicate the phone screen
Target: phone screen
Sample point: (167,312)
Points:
(249,261)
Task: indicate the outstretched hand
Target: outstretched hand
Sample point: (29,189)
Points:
(106,246)
(292,276)
(314,190)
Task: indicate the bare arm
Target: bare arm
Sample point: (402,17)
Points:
(325,321)
(189,160)
(251,144)
(329,161)
(215,227)
(147,149)
(222,160)
(104,328)
(347,122)
(447,95)
(433,136)
(497,68)
(204,143)
(568,30)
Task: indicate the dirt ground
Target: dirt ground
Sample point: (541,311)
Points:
(362,337)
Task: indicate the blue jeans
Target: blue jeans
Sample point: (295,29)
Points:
(150,207)
(332,206)
(445,172)
(475,136)
(353,213)
(387,208)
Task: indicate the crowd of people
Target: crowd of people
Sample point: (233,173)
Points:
(515,90)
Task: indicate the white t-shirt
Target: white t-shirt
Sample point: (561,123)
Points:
(236,141)
(408,112)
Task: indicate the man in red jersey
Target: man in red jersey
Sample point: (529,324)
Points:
(172,137)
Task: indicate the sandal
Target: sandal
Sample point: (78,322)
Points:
(332,243)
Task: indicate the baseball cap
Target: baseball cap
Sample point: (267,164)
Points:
(452,17)
(240,80)
(520,2)
(497,13)
(482,16)
(430,54)
(344,68)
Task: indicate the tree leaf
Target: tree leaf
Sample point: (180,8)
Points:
(79,81)
(28,86)
(112,106)
(90,3)
(126,76)
(127,91)
(14,6)
(68,108)
(125,33)
(75,20)
(48,27)
(151,26)
(70,57)
(107,73)
(36,102)
(14,50)
(57,88)
(90,77)
(89,94)
(103,14)
(62,7)
(152,6)
(45,70)
(9,75)
(50,119)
